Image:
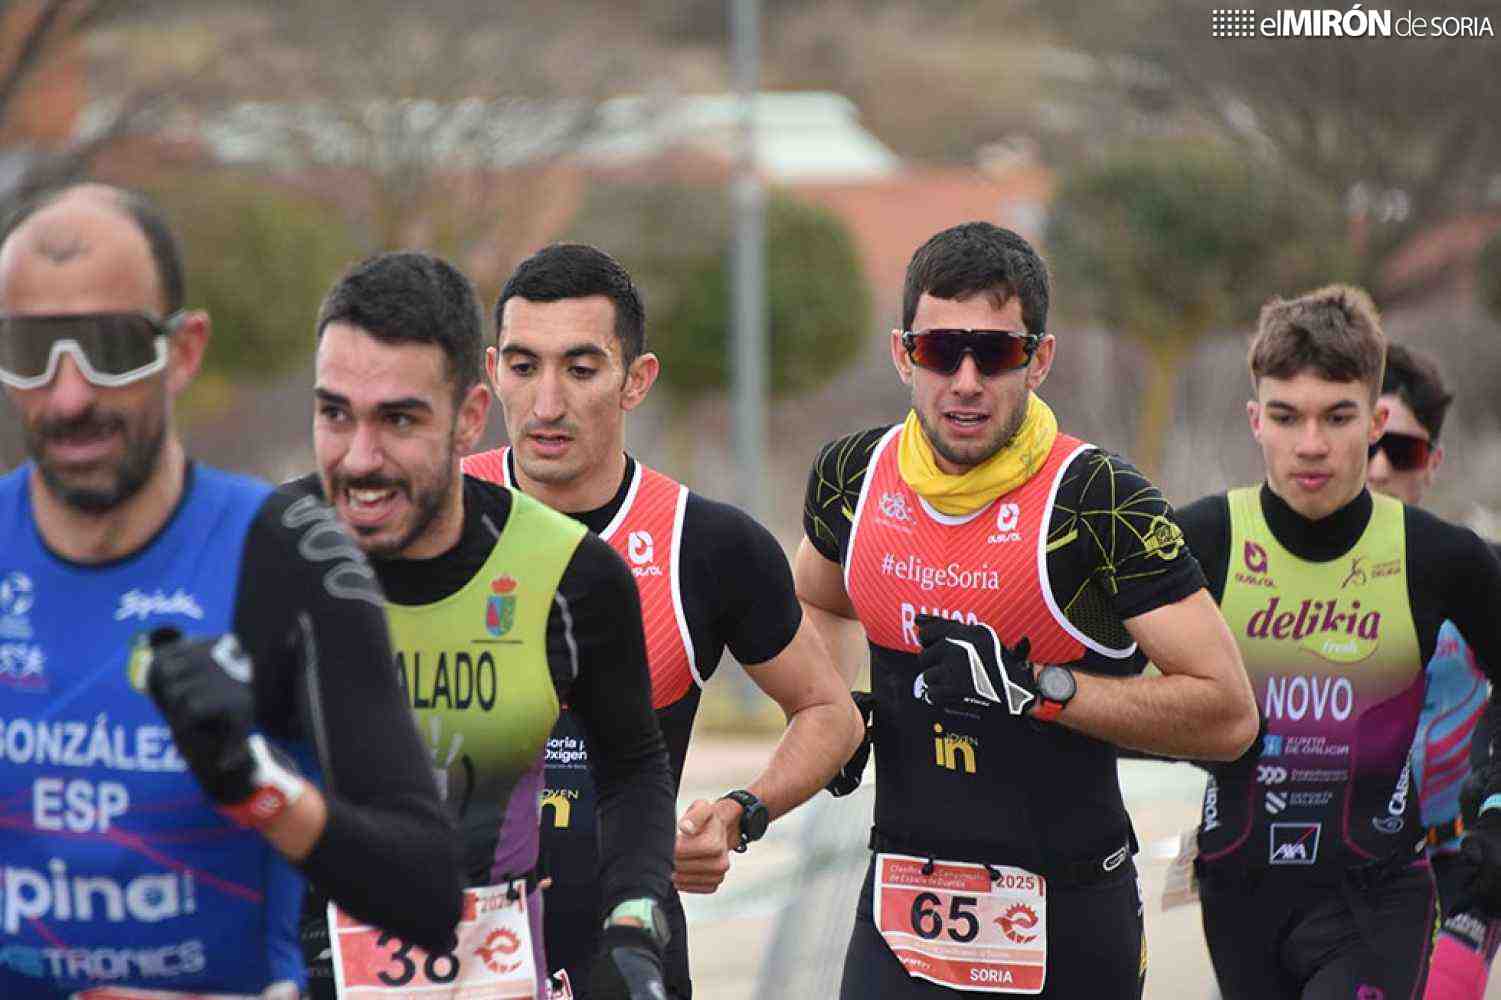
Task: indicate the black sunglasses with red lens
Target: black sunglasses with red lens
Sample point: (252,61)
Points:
(994,351)
(1404,451)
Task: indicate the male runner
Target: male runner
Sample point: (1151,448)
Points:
(1003,848)
(569,363)
(164,845)
(500,609)
(1403,464)
(1312,878)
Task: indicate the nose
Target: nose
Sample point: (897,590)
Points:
(967,380)
(365,455)
(549,405)
(69,394)
(1311,440)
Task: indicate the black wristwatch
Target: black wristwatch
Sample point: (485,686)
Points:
(1055,689)
(753,817)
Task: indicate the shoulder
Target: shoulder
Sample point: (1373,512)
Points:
(489,496)
(715,526)
(486,465)
(1443,541)
(843,461)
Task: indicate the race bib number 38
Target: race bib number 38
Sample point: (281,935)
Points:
(956,926)
(493,959)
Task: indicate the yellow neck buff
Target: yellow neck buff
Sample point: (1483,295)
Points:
(999,474)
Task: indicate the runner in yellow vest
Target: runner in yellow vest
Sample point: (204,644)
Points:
(500,610)
(1312,877)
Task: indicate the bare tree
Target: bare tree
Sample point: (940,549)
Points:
(1399,130)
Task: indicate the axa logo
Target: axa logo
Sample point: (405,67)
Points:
(954,752)
(1294,843)
(141,605)
(1007,517)
(1255,557)
(1019,923)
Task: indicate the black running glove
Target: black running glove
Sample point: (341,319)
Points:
(202,687)
(966,666)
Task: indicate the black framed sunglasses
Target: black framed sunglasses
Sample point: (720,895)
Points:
(994,351)
(110,349)
(1405,451)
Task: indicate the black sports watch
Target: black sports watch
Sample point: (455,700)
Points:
(753,817)
(1055,689)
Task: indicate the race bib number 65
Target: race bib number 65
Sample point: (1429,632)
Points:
(956,926)
(492,961)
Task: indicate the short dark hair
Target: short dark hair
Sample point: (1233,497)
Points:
(978,257)
(166,252)
(1335,331)
(1414,378)
(412,297)
(577,271)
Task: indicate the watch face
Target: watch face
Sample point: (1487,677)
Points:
(1055,684)
(753,822)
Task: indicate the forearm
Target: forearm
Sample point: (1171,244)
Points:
(817,742)
(1177,715)
(635,825)
(395,867)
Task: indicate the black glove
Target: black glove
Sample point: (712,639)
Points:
(1480,850)
(628,966)
(966,666)
(849,776)
(202,687)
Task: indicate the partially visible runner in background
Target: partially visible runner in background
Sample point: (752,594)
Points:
(1403,464)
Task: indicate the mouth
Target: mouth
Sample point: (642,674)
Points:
(1311,481)
(81,447)
(549,444)
(965,423)
(369,508)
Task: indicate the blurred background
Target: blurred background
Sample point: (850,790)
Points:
(1174,180)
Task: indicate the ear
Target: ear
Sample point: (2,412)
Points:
(1436,459)
(469,423)
(185,350)
(492,358)
(900,359)
(1042,362)
(1253,415)
(639,379)
(1379,417)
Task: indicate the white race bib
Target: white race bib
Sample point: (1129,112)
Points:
(958,927)
(492,961)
